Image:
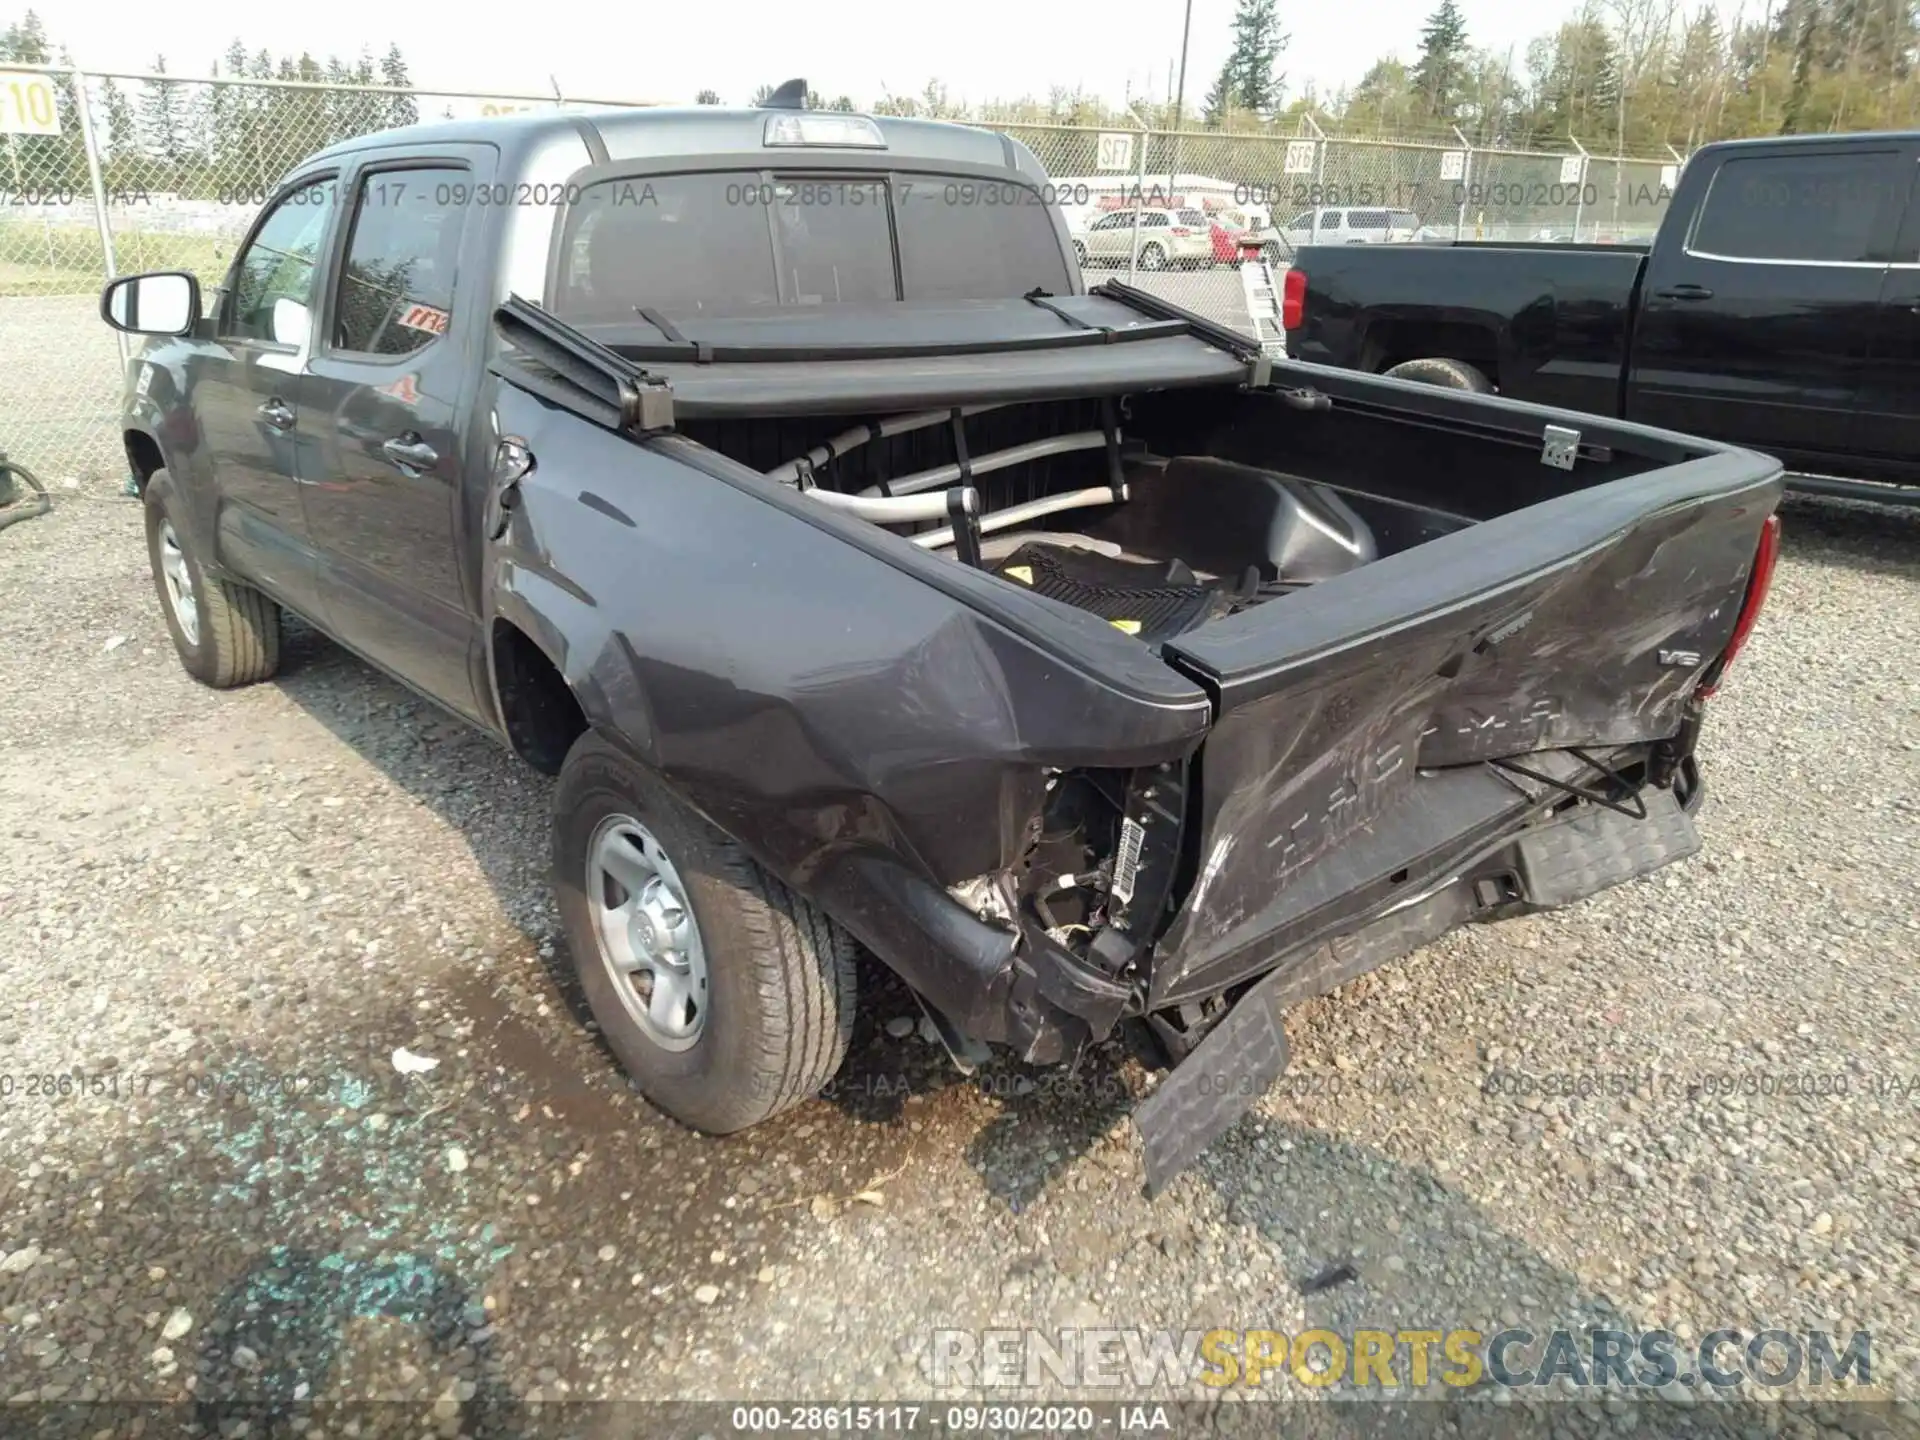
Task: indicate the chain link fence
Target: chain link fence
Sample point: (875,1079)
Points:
(151,172)
(132,172)
(1174,211)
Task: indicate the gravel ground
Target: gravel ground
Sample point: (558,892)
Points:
(275,889)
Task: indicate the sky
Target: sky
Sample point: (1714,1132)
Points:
(980,49)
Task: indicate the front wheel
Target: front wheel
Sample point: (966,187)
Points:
(226,634)
(725,995)
(1449,374)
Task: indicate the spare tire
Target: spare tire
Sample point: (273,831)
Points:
(1452,374)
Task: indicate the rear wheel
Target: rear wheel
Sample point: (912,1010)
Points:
(226,634)
(1450,374)
(725,995)
(1152,257)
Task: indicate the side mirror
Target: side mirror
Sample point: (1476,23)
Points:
(290,322)
(161,302)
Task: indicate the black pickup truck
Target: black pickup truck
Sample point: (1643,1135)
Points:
(1778,308)
(771,478)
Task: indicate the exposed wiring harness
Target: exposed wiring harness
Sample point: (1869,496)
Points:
(37,503)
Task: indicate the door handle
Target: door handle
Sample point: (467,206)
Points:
(1684,292)
(410,452)
(277,413)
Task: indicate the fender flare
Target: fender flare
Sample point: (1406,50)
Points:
(565,625)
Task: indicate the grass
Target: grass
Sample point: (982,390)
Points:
(37,258)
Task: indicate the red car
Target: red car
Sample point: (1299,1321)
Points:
(1227,227)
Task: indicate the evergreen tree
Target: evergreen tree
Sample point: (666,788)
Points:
(163,121)
(1247,81)
(120,132)
(401,109)
(1806,43)
(1213,109)
(25,41)
(340,102)
(1441,73)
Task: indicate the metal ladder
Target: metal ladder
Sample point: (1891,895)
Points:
(1262,293)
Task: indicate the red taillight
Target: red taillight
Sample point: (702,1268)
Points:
(1761,577)
(1293,299)
(1181,230)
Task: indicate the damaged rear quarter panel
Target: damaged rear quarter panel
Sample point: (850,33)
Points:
(814,701)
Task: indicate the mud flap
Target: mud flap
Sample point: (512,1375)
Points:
(1218,1083)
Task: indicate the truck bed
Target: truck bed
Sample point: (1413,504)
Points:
(1376,585)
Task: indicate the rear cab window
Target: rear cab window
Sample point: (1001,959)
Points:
(1837,206)
(736,241)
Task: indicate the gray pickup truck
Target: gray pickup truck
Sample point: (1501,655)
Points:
(771,478)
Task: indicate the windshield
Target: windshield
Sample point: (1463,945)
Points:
(736,241)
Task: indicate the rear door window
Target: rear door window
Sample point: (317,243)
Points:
(1330,220)
(1367,220)
(395,292)
(1838,206)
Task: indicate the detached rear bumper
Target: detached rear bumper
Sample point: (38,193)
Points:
(1548,866)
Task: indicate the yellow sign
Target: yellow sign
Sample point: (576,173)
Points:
(27,104)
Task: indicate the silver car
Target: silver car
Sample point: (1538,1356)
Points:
(1354,226)
(1166,240)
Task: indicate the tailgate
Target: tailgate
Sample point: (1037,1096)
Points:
(1343,769)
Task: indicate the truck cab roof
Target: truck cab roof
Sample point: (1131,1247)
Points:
(707,132)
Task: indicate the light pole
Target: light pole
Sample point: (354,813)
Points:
(1179,100)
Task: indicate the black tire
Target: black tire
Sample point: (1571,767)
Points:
(1152,257)
(237,639)
(780,973)
(1451,374)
